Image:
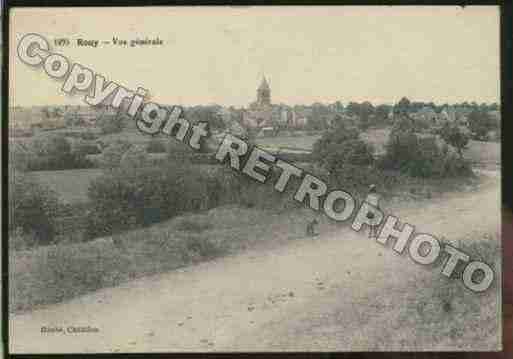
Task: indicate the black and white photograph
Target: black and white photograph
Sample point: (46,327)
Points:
(254,179)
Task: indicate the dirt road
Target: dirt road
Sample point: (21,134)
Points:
(341,291)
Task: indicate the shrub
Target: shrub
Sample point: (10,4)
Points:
(454,136)
(83,148)
(179,152)
(134,157)
(156,146)
(89,136)
(189,225)
(19,156)
(127,199)
(422,156)
(199,247)
(480,124)
(60,272)
(356,179)
(110,124)
(54,152)
(342,147)
(32,209)
(351,152)
(112,154)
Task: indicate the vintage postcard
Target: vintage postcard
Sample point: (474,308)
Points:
(249,179)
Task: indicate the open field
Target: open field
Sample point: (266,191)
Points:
(55,273)
(70,185)
(340,291)
(478,152)
(299,143)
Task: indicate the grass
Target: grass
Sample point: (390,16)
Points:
(56,273)
(446,309)
(70,185)
(477,152)
(298,143)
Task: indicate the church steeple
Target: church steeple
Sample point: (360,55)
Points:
(264,85)
(264,93)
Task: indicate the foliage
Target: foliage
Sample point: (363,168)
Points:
(54,152)
(179,152)
(403,106)
(32,208)
(454,136)
(156,146)
(112,154)
(340,147)
(124,199)
(480,123)
(83,148)
(208,114)
(111,124)
(422,156)
(134,157)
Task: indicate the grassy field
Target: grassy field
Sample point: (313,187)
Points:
(484,153)
(56,273)
(70,185)
(477,151)
(299,143)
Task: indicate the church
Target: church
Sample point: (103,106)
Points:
(262,113)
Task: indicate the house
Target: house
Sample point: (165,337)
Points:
(426,114)
(447,114)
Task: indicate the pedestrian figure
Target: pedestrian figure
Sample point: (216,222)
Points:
(373,199)
(310,228)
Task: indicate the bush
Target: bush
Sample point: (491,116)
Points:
(454,136)
(32,209)
(198,247)
(480,124)
(19,156)
(54,152)
(112,154)
(134,157)
(128,199)
(356,179)
(341,147)
(83,148)
(60,272)
(156,146)
(89,136)
(422,157)
(351,152)
(111,124)
(189,225)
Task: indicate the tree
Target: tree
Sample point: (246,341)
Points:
(112,154)
(480,123)
(32,207)
(403,106)
(363,111)
(111,124)
(134,157)
(55,146)
(366,111)
(453,135)
(381,113)
(341,146)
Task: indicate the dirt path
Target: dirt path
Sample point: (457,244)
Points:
(338,292)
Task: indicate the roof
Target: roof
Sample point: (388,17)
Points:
(264,85)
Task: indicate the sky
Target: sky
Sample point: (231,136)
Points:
(308,54)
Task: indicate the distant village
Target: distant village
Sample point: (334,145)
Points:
(261,117)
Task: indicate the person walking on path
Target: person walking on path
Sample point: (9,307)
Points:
(373,198)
